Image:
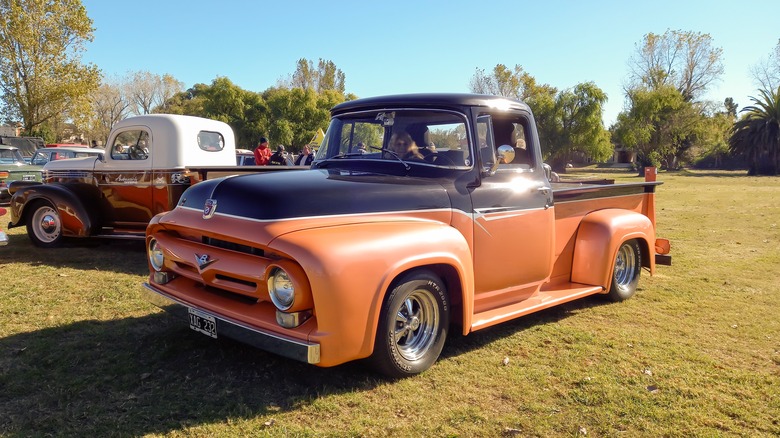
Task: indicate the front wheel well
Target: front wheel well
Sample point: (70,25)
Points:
(449,275)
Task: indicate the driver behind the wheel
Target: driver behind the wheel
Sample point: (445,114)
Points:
(402,144)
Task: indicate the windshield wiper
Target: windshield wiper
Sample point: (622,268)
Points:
(343,155)
(395,155)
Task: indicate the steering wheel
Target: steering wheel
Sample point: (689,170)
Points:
(435,157)
(137,153)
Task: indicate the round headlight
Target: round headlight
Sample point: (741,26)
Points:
(156,256)
(281,289)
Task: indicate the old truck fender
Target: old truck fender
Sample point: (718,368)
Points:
(70,201)
(599,236)
(352,267)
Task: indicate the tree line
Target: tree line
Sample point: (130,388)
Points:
(666,123)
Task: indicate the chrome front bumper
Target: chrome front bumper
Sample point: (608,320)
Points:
(290,348)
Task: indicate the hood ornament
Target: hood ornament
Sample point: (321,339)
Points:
(203,260)
(210,208)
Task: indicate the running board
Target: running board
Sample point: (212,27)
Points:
(539,301)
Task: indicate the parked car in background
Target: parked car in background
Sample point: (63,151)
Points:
(13,167)
(144,168)
(245,157)
(44,155)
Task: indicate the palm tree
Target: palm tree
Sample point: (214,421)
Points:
(756,136)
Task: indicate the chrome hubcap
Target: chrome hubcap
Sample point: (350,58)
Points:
(48,223)
(415,324)
(625,266)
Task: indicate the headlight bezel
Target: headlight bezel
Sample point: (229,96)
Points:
(281,289)
(155,255)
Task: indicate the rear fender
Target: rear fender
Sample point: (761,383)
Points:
(599,236)
(77,220)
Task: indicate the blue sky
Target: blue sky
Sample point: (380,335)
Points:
(400,46)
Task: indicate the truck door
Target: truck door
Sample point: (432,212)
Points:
(512,214)
(125,180)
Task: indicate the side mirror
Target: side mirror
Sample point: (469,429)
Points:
(506,154)
(551,176)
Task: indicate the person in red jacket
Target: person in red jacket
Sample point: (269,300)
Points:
(262,153)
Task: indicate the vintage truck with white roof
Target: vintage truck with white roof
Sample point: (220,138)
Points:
(147,164)
(421,213)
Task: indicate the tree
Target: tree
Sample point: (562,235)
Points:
(515,83)
(286,116)
(325,77)
(568,121)
(756,136)
(110,104)
(767,72)
(148,91)
(660,125)
(294,116)
(41,74)
(685,60)
(578,126)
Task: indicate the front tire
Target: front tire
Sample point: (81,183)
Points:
(44,226)
(412,326)
(625,272)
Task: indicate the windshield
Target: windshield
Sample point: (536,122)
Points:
(10,156)
(426,137)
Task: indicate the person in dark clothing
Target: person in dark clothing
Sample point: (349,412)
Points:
(278,158)
(304,158)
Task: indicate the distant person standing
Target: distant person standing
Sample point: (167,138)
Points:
(279,158)
(262,153)
(305,157)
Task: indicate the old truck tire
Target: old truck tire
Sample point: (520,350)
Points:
(625,272)
(44,226)
(412,325)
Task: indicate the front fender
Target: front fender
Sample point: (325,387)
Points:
(351,268)
(599,236)
(69,200)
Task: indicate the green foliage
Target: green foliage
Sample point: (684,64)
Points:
(41,75)
(756,136)
(285,116)
(325,77)
(578,125)
(568,121)
(660,125)
(684,60)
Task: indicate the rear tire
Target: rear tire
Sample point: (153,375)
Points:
(44,226)
(412,326)
(625,271)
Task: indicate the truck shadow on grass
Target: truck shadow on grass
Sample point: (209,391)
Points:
(145,375)
(124,256)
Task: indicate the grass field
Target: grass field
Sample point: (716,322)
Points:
(695,353)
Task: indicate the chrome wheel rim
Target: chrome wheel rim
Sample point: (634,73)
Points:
(415,326)
(625,266)
(46,223)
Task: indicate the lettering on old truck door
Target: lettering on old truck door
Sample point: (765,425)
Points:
(125,179)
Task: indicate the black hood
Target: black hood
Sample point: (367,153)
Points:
(320,192)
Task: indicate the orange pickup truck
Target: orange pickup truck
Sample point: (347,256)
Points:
(421,214)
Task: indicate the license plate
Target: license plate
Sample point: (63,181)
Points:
(203,323)
(28,177)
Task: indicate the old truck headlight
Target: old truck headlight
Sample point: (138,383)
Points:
(156,256)
(281,289)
